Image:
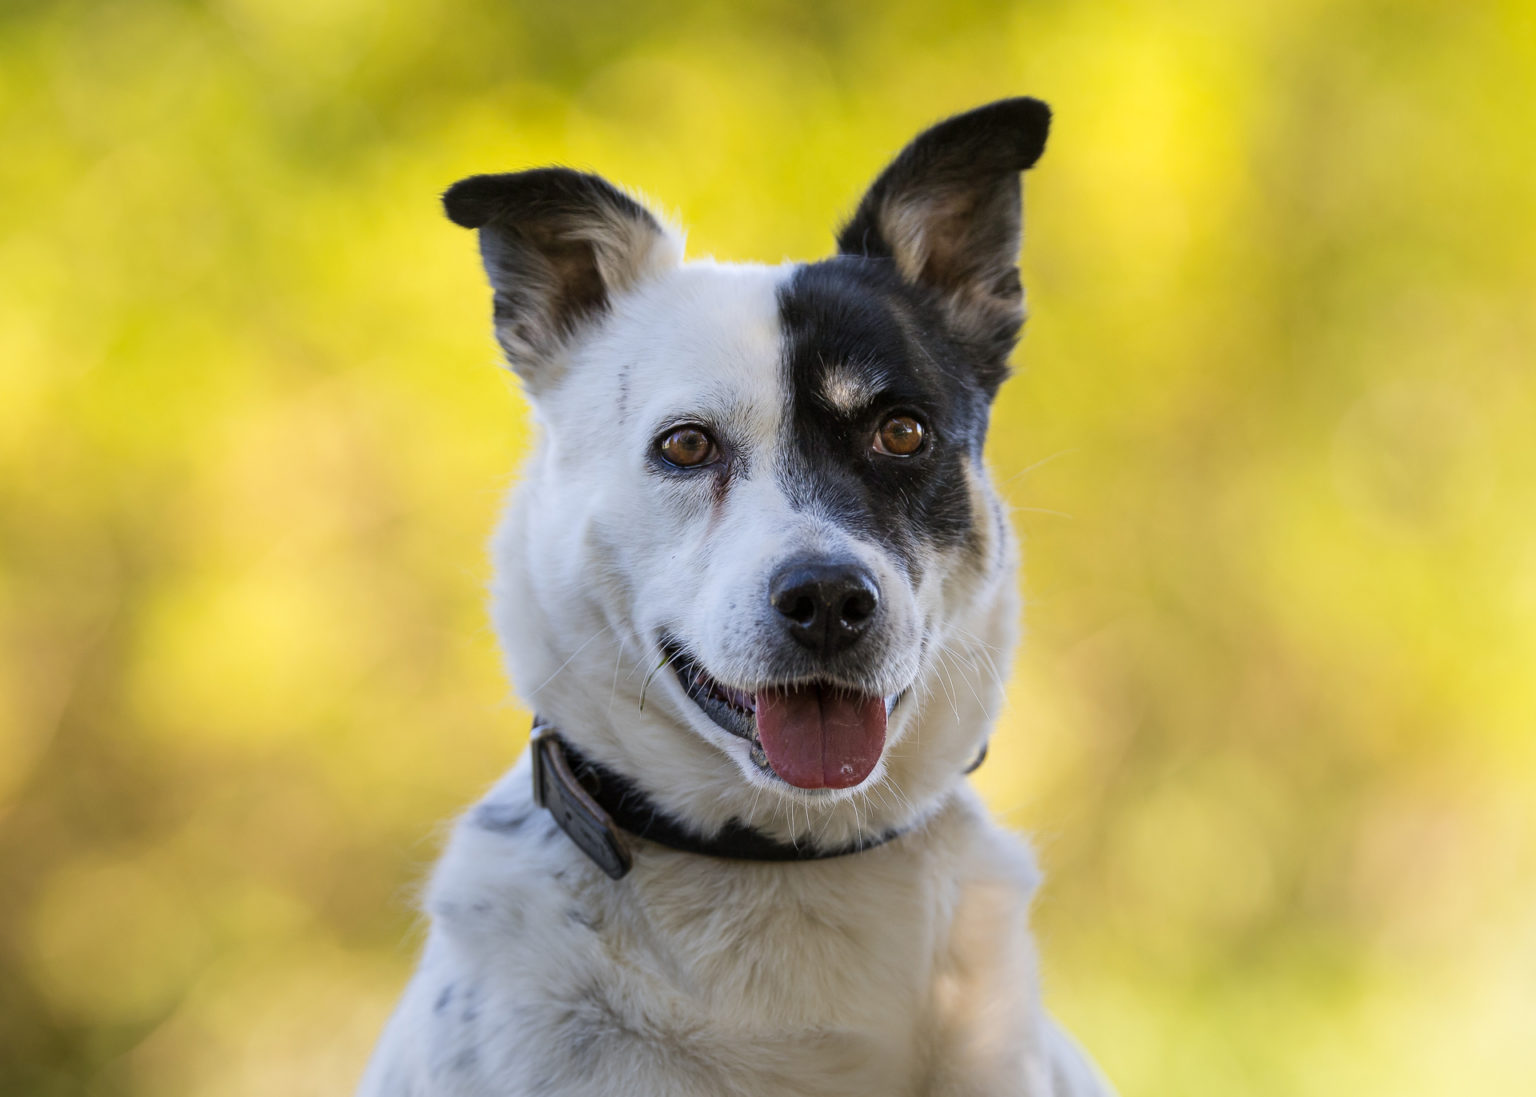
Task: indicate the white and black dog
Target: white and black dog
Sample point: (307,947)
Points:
(758,588)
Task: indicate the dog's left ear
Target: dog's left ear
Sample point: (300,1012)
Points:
(557,246)
(947,212)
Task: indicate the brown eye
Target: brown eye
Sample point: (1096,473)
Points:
(688,447)
(899,436)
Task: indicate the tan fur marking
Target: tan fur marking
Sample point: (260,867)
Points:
(846,389)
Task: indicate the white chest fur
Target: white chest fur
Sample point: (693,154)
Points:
(905,969)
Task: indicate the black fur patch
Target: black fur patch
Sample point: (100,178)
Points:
(856,312)
(923,306)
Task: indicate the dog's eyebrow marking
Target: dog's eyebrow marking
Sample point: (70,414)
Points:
(849,387)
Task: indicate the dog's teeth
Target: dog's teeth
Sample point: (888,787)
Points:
(734,698)
(759,759)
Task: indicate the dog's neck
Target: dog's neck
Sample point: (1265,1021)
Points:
(602,812)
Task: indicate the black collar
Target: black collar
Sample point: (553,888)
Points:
(600,810)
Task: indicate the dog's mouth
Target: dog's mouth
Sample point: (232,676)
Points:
(809,734)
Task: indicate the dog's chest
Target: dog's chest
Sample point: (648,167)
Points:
(808,945)
(812,978)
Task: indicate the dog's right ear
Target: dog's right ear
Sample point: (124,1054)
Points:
(557,245)
(947,212)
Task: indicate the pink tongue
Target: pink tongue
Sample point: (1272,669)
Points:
(817,737)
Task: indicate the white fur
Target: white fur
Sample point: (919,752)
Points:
(903,970)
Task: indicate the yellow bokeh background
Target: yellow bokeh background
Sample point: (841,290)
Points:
(1271,445)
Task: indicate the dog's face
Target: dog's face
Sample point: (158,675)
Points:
(756,550)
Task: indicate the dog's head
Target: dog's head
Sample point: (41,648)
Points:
(755,562)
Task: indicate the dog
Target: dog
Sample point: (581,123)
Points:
(757,587)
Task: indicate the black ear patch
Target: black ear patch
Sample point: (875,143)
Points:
(556,244)
(947,213)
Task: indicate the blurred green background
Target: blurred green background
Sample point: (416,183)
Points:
(1271,448)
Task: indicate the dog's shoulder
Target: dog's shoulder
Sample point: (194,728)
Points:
(513,959)
(976,851)
(509,880)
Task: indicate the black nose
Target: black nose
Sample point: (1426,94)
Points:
(825,607)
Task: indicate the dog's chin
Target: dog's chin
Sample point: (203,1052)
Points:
(809,735)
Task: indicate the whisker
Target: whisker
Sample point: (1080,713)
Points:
(665,659)
(1027,469)
(533,693)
